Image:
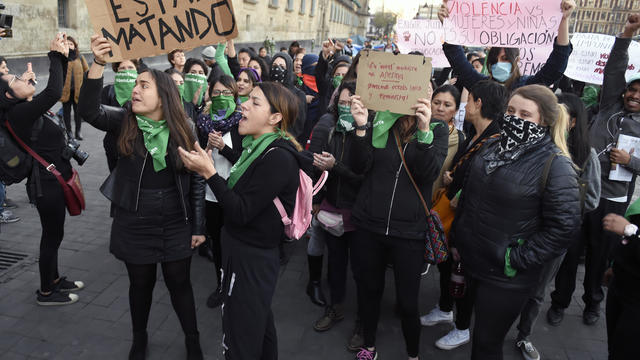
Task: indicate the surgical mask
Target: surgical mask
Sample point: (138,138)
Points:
(278,73)
(337,80)
(501,71)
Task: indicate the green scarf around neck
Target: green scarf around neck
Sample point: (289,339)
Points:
(382,123)
(219,103)
(251,150)
(243,99)
(156,139)
(123,85)
(193,82)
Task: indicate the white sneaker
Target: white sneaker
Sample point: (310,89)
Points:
(436,316)
(453,339)
(529,352)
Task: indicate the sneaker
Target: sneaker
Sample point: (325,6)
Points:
(365,354)
(591,315)
(9,204)
(55,298)
(7,217)
(528,351)
(555,315)
(356,342)
(453,339)
(332,315)
(64,285)
(436,316)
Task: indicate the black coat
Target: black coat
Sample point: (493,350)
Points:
(497,209)
(387,202)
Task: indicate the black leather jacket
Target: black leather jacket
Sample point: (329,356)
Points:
(122,186)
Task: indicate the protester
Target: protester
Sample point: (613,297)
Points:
(177,59)
(619,114)
(282,72)
(262,52)
(247,80)
(310,89)
(210,56)
(4,69)
(348,48)
(330,72)
(444,105)
(502,247)
(158,205)
(260,66)
(293,49)
(252,225)
(24,111)
(297,64)
(388,213)
(502,63)
(76,67)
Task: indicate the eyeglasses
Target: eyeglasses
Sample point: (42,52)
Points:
(224,92)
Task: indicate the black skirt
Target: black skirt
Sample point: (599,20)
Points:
(157,232)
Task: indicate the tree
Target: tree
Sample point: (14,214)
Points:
(384,22)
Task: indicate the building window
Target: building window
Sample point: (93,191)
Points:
(273,3)
(63,13)
(289,5)
(247,25)
(303,4)
(313,8)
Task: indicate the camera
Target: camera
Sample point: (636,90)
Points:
(72,151)
(6,22)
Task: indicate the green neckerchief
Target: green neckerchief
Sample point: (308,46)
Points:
(345,119)
(336,81)
(222,102)
(193,82)
(590,96)
(251,149)
(299,81)
(181,91)
(123,85)
(383,121)
(634,209)
(243,99)
(156,138)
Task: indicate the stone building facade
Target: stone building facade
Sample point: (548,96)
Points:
(602,16)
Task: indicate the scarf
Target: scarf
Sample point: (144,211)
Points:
(345,119)
(193,82)
(222,107)
(516,132)
(336,81)
(156,138)
(123,85)
(207,125)
(243,99)
(310,81)
(251,149)
(383,121)
(181,91)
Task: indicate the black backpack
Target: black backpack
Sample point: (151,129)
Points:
(15,163)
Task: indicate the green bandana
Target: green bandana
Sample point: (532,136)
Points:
(181,91)
(345,119)
(634,209)
(193,82)
(123,85)
(383,121)
(336,81)
(243,99)
(156,138)
(299,81)
(222,102)
(251,149)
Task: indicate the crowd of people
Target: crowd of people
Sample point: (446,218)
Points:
(517,168)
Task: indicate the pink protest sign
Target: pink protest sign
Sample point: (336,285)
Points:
(422,35)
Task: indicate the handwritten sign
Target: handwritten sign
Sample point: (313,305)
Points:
(590,55)
(139,28)
(422,35)
(392,82)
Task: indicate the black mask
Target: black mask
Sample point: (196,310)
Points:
(73,54)
(278,73)
(516,131)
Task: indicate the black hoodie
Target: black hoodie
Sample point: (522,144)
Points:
(298,127)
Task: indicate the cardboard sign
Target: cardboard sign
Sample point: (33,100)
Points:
(422,35)
(590,55)
(392,82)
(140,28)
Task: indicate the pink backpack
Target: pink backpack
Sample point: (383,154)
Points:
(296,225)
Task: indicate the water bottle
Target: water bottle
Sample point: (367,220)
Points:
(457,284)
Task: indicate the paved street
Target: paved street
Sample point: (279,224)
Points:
(98,326)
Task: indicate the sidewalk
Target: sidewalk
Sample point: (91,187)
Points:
(98,326)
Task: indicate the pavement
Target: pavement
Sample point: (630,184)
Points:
(98,326)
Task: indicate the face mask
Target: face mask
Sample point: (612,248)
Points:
(345,119)
(123,85)
(516,131)
(73,54)
(181,91)
(278,73)
(337,80)
(501,71)
(222,106)
(193,83)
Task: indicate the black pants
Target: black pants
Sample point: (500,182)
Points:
(52,210)
(249,279)
(338,260)
(66,114)
(464,305)
(177,277)
(623,317)
(370,254)
(598,246)
(496,309)
(215,220)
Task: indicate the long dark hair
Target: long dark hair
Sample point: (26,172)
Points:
(448,89)
(512,54)
(180,132)
(263,67)
(352,73)
(578,141)
(193,61)
(282,100)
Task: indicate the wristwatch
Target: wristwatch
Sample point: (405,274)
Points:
(630,230)
(363,127)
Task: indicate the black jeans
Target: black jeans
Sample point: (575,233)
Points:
(598,246)
(623,317)
(52,210)
(215,220)
(464,305)
(338,261)
(496,309)
(370,254)
(66,114)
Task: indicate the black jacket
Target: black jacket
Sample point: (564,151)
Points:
(497,209)
(343,184)
(122,186)
(387,202)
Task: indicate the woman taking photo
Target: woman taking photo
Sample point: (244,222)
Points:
(76,67)
(268,168)
(24,111)
(158,206)
(388,213)
(509,223)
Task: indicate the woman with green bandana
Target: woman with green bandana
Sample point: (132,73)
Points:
(157,204)
(218,131)
(330,72)
(267,168)
(390,219)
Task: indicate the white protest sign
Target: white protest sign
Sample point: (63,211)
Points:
(590,55)
(422,35)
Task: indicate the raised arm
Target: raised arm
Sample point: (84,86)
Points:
(222,60)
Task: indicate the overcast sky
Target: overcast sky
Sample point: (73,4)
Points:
(406,8)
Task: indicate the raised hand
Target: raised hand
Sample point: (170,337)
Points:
(328,48)
(443,12)
(632,25)
(359,112)
(59,44)
(567,7)
(198,160)
(100,48)
(423,113)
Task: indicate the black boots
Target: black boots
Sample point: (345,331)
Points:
(194,352)
(314,288)
(139,347)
